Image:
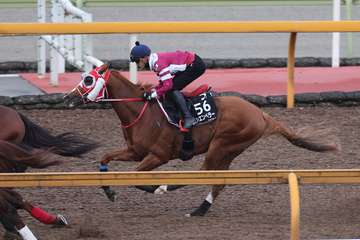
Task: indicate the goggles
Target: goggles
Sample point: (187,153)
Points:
(134,59)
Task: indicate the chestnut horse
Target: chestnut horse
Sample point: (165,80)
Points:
(21,139)
(14,158)
(152,141)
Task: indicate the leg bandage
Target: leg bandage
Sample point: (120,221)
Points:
(42,216)
(26,233)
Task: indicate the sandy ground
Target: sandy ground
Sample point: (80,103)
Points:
(241,212)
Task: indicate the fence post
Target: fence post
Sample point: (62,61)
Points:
(295,206)
(291,70)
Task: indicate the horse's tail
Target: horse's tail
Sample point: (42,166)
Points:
(19,155)
(65,144)
(318,140)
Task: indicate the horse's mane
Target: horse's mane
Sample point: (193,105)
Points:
(142,86)
(145,86)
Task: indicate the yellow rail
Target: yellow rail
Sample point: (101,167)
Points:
(292,27)
(178,27)
(72,179)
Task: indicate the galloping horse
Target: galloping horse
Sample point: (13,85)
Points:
(15,159)
(20,144)
(152,141)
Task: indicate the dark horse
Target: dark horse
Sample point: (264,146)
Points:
(14,159)
(21,141)
(152,141)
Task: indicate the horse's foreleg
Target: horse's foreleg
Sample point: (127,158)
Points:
(150,162)
(44,217)
(120,155)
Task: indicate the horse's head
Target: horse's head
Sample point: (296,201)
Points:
(91,88)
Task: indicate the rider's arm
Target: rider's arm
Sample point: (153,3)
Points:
(166,81)
(164,87)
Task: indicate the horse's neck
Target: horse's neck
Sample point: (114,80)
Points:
(121,88)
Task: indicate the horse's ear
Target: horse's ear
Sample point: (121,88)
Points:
(103,68)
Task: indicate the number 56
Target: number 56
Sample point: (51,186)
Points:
(200,109)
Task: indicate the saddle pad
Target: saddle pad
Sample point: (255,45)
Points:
(202,107)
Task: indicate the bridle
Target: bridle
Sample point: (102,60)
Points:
(96,75)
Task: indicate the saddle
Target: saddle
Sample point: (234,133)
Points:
(201,105)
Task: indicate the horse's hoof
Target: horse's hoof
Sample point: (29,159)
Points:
(161,190)
(195,214)
(111,195)
(60,221)
(200,212)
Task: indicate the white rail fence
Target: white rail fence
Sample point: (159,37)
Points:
(78,50)
(75,49)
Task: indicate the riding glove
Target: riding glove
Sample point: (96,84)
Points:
(148,96)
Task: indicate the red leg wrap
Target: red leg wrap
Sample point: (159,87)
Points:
(42,216)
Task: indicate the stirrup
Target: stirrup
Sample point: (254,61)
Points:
(181,126)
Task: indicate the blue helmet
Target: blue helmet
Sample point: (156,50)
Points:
(139,51)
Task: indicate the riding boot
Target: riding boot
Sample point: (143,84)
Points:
(189,120)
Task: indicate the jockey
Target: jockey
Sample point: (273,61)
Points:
(175,71)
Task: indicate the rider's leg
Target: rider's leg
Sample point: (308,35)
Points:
(180,81)
(179,99)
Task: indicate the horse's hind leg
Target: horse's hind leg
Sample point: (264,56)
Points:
(215,191)
(219,157)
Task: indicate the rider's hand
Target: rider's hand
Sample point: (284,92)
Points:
(147,96)
(150,95)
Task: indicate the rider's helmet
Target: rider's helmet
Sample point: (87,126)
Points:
(139,51)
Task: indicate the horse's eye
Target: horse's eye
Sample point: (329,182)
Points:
(88,81)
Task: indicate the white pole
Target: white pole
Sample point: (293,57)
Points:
(132,66)
(63,52)
(61,18)
(336,35)
(54,56)
(87,45)
(349,34)
(41,45)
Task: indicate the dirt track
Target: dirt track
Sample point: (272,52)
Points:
(241,212)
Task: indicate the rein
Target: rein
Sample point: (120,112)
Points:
(129,100)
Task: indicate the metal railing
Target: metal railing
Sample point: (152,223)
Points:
(290,177)
(292,27)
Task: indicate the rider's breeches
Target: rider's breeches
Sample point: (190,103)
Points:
(192,72)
